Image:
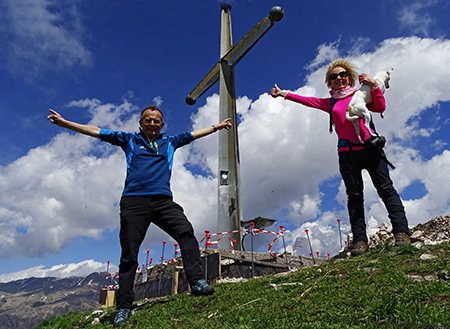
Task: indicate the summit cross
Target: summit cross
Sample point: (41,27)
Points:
(229,212)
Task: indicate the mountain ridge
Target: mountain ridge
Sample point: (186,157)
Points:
(25,303)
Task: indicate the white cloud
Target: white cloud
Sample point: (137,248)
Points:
(415,18)
(439,145)
(326,53)
(42,35)
(288,160)
(81,269)
(61,190)
(158,101)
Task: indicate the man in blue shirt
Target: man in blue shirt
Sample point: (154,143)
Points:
(147,197)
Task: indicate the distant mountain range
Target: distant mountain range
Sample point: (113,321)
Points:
(25,303)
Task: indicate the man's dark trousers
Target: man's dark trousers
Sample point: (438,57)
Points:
(136,215)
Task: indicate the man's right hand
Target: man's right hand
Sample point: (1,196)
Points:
(56,118)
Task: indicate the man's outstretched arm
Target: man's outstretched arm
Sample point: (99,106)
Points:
(199,133)
(58,120)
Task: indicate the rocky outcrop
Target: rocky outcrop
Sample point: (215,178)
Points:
(433,232)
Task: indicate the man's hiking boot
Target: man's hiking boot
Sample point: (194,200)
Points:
(201,288)
(122,316)
(402,239)
(359,248)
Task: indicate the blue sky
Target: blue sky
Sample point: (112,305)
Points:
(100,62)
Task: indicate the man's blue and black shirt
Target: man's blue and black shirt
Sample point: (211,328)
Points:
(149,162)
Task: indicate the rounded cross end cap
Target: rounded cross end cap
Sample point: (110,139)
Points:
(189,100)
(226,6)
(276,14)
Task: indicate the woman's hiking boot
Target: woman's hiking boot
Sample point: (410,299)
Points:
(359,248)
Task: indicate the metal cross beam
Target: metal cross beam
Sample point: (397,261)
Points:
(229,212)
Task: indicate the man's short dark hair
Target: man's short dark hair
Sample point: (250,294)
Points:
(152,108)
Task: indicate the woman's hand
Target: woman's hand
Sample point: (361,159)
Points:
(275,92)
(367,79)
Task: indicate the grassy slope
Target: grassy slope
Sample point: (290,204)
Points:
(375,290)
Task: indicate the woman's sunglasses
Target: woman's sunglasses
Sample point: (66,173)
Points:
(342,74)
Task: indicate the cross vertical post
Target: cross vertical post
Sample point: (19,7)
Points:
(229,211)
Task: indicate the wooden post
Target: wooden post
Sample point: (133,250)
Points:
(175,283)
(107,298)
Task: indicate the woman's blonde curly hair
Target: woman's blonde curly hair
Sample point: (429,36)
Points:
(347,66)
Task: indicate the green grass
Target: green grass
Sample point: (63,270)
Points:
(370,291)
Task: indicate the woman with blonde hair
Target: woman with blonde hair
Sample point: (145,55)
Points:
(353,156)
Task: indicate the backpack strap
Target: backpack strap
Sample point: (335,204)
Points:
(332,102)
(372,125)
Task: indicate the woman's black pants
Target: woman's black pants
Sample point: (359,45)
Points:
(351,164)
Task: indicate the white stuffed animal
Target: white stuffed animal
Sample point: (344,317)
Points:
(357,108)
